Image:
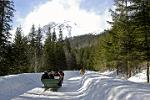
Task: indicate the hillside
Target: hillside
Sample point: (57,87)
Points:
(82,41)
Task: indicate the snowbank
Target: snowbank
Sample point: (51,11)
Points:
(14,85)
(90,86)
(99,87)
(140,77)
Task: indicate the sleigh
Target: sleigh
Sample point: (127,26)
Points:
(52,83)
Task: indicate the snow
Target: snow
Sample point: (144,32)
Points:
(140,77)
(91,86)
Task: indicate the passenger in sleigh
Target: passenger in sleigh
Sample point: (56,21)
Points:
(51,74)
(48,75)
(61,75)
(45,75)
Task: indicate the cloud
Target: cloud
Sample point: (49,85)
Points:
(69,10)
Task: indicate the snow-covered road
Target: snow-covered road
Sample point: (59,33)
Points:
(91,86)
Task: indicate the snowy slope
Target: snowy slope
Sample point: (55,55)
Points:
(91,86)
(14,85)
(140,77)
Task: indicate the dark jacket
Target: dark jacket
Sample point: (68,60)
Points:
(45,76)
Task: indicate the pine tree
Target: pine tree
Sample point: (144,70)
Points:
(32,36)
(38,49)
(60,53)
(90,61)
(20,44)
(112,44)
(6,14)
(141,21)
(122,29)
(32,48)
(54,37)
(105,52)
(49,51)
(128,40)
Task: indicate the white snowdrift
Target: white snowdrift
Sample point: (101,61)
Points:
(14,85)
(91,86)
(140,77)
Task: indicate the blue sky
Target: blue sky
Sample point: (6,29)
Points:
(25,6)
(41,12)
(98,6)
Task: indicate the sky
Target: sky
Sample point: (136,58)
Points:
(85,16)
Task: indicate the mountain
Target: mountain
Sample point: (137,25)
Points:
(83,40)
(80,41)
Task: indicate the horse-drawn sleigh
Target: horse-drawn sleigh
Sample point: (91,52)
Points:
(52,79)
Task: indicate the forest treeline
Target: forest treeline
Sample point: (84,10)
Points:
(125,46)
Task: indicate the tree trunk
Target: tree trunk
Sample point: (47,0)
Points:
(35,62)
(129,69)
(147,72)
(117,70)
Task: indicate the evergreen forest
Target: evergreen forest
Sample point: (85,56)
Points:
(125,47)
